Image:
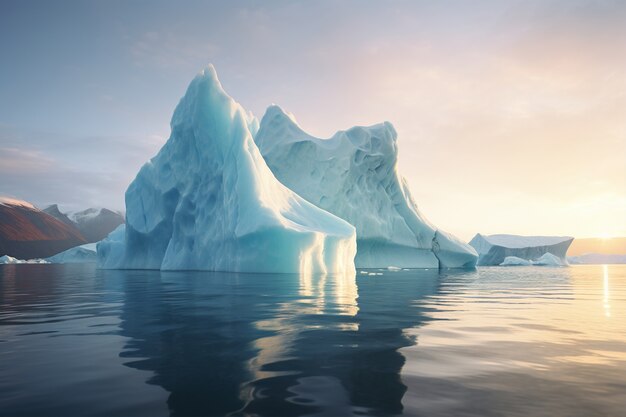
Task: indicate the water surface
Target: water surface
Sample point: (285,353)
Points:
(523,341)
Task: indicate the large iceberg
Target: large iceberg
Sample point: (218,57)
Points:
(354,175)
(494,249)
(208,201)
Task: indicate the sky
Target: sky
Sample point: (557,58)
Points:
(511,116)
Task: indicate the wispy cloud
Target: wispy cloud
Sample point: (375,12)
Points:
(75,171)
(15,160)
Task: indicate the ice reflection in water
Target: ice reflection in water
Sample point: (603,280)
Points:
(492,342)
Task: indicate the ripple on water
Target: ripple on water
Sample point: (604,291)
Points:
(491,342)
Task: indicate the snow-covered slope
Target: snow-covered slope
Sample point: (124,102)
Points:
(354,176)
(208,201)
(494,249)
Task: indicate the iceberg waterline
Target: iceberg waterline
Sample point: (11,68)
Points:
(209,201)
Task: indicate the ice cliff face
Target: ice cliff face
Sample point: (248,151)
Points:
(354,176)
(208,201)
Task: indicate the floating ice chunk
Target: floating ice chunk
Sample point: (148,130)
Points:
(6,259)
(515,261)
(79,254)
(547,259)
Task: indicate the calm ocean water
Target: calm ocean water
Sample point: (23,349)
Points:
(524,341)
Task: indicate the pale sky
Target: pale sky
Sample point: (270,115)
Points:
(511,115)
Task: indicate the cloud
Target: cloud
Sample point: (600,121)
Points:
(15,160)
(75,171)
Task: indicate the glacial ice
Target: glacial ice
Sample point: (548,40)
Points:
(550,259)
(547,259)
(208,201)
(79,254)
(7,260)
(540,250)
(354,175)
(515,261)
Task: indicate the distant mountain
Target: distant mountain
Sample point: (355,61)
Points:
(96,223)
(54,211)
(27,232)
(612,246)
(597,258)
(93,223)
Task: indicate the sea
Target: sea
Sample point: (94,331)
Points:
(495,341)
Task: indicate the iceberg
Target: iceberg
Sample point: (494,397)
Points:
(541,250)
(77,255)
(208,201)
(8,260)
(354,176)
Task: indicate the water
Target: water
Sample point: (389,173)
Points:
(523,341)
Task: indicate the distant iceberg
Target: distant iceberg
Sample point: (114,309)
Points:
(538,250)
(208,201)
(354,175)
(8,260)
(77,255)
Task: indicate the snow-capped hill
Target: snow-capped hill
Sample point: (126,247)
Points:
(94,224)
(208,201)
(27,232)
(84,215)
(354,175)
